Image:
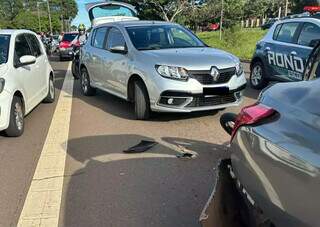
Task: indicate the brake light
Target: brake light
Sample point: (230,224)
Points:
(252,115)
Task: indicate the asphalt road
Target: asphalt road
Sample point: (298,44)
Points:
(103,186)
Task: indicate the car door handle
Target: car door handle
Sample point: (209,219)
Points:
(293,53)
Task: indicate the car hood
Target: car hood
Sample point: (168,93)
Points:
(3,69)
(193,58)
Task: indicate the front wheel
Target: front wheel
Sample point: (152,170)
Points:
(142,102)
(258,76)
(86,88)
(16,123)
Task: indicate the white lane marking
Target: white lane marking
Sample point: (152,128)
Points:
(42,205)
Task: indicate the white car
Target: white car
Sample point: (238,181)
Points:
(26,78)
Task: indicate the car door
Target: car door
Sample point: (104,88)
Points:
(40,65)
(95,60)
(282,56)
(25,76)
(308,38)
(115,64)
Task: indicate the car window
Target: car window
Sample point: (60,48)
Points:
(115,38)
(69,37)
(99,37)
(35,45)
(21,48)
(287,32)
(276,31)
(4,48)
(180,37)
(309,33)
(155,37)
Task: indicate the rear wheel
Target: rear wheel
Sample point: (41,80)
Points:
(16,124)
(86,88)
(142,102)
(51,92)
(258,76)
(75,70)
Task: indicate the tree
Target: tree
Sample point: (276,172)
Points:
(24,13)
(167,10)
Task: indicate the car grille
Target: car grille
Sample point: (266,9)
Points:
(205,78)
(212,100)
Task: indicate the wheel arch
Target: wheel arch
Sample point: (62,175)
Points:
(255,60)
(19,94)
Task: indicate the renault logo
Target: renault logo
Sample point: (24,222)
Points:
(215,73)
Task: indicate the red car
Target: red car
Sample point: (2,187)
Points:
(65,46)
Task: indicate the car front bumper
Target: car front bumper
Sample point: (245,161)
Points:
(192,96)
(5,106)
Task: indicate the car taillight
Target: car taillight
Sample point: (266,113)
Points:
(252,115)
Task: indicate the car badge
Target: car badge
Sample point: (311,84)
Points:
(215,74)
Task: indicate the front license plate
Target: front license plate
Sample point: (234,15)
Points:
(215,90)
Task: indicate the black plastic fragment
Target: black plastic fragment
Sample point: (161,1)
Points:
(185,155)
(143,146)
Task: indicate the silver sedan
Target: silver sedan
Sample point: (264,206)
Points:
(160,67)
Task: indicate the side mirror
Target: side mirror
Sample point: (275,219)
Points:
(119,49)
(27,60)
(314,42)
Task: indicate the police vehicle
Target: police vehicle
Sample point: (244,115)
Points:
(282,54)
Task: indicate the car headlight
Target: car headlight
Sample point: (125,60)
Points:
(239,69)
(172,72)
(2,82)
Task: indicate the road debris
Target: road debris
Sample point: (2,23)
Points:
(143,146)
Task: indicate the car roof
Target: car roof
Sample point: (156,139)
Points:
(133,23)
(300,19)
(14,31)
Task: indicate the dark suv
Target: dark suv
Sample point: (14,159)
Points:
(282,54)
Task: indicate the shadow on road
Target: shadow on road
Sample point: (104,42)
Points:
(109,188)
(123,109)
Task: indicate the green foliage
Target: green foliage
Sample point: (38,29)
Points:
(24,14)
(240,42)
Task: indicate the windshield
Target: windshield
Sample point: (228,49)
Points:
(162,37)
(4,48)
(69,37)
(111,10)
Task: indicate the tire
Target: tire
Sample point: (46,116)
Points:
(16,123)
(258,76)
(226,121)
(75,72)
(141,101)
(86,88)
(51,92)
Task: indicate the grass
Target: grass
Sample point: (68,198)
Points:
(240,42)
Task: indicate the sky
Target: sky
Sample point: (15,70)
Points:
(82,16)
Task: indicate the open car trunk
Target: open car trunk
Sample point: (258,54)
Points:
(110,11)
